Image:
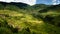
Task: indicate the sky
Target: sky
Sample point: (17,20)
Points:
(48,2)
(32,2)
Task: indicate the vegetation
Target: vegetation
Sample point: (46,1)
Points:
(37,19)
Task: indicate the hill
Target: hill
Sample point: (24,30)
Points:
(51,14)
(17,20)
(18,4)
(40,6)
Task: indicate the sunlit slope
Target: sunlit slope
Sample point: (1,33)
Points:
(18,19)
(50,15)
(24,20)
(26,23)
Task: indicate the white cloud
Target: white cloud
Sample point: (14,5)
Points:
(30,2)
(54,2)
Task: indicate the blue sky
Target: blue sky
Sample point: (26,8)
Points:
(48,2)
(44,1)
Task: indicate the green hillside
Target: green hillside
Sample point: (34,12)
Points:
(51,14)
(29,20)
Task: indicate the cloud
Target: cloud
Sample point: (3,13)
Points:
(54,2)
(30,2)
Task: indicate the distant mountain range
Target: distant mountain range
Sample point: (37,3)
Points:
(21,5)
(26,6)
(51,7)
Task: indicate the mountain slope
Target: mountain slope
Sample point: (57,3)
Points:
(51,14)
(19,21)
(20,5)
(40,6)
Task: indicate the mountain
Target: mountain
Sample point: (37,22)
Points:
(52,7)
(15,18)
(18,4)
(40,6)
(51,14)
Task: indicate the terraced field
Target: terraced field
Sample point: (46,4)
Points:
(24,20)
(39,19)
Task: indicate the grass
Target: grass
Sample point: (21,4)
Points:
(26,23)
